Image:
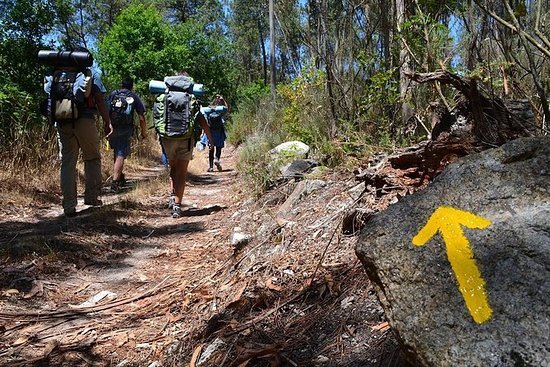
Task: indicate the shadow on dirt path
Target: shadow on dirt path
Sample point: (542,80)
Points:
(127,285)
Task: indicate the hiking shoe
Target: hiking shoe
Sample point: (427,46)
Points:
(176,211)
(218,164)
(171,202)
(94,202)
(70,213)
(122,180)
(210,169)
(115,186)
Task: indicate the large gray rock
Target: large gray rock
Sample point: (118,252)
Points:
(492,307)
(295,149)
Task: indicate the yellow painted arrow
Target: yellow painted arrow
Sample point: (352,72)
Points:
(448,222)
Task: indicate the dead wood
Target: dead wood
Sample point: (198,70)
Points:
(478,121)
(494,120)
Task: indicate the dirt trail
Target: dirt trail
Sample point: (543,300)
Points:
(122,252)
(170,290)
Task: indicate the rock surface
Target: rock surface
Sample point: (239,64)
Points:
(294,149)
(478,295)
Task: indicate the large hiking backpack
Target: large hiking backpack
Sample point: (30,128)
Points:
(121,108)
(172,110)
(68,93)
(215,121)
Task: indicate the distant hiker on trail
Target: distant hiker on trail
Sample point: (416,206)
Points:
(216,122)
(122,104)
(75,95)
(175,115)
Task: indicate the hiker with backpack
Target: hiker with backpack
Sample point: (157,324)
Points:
(177,117)
(215,117)
(122,104)
(75,96)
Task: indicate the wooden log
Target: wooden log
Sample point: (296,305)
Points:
(494,120)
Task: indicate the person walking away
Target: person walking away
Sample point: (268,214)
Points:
(75,96)
(122,104)
(216,122)
(175,115)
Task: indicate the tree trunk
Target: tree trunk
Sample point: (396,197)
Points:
(264,53)
(272,48)
(404,59)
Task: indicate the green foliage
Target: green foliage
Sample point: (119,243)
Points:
(428,40)
(305,115)
(26,140)
(209,58)
(254,162)
(441,8)
(28,19)
(249,29)
(378,104)
(24,25)
(17,112)
(249,94)
(250,116)
(142,45)
(490,74)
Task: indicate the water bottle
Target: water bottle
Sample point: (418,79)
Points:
(200,146)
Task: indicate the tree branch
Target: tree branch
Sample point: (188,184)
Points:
(519,31)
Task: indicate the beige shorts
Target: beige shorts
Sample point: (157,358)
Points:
(178,149)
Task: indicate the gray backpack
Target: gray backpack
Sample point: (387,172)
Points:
(172,110)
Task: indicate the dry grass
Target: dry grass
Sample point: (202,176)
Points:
(30,175)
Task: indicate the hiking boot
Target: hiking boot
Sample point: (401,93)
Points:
(176,211)
(218,164)
(94,202)
(210,169)
(122,180)
(70,213)
(115,186)
(171,202)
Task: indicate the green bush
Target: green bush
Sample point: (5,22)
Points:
(254,162)
(252,114)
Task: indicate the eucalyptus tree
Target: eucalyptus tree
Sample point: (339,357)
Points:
(289,31)
(249,30)
(517,47)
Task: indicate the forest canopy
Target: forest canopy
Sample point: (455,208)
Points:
(340,67)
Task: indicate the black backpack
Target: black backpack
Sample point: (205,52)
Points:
(215,121)
(121,108)
(69,92)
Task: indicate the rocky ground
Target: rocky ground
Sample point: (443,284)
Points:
(127,285)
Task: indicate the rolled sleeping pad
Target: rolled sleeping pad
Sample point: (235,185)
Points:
(198,89)
(79,59)
(158,87)
(210,109)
